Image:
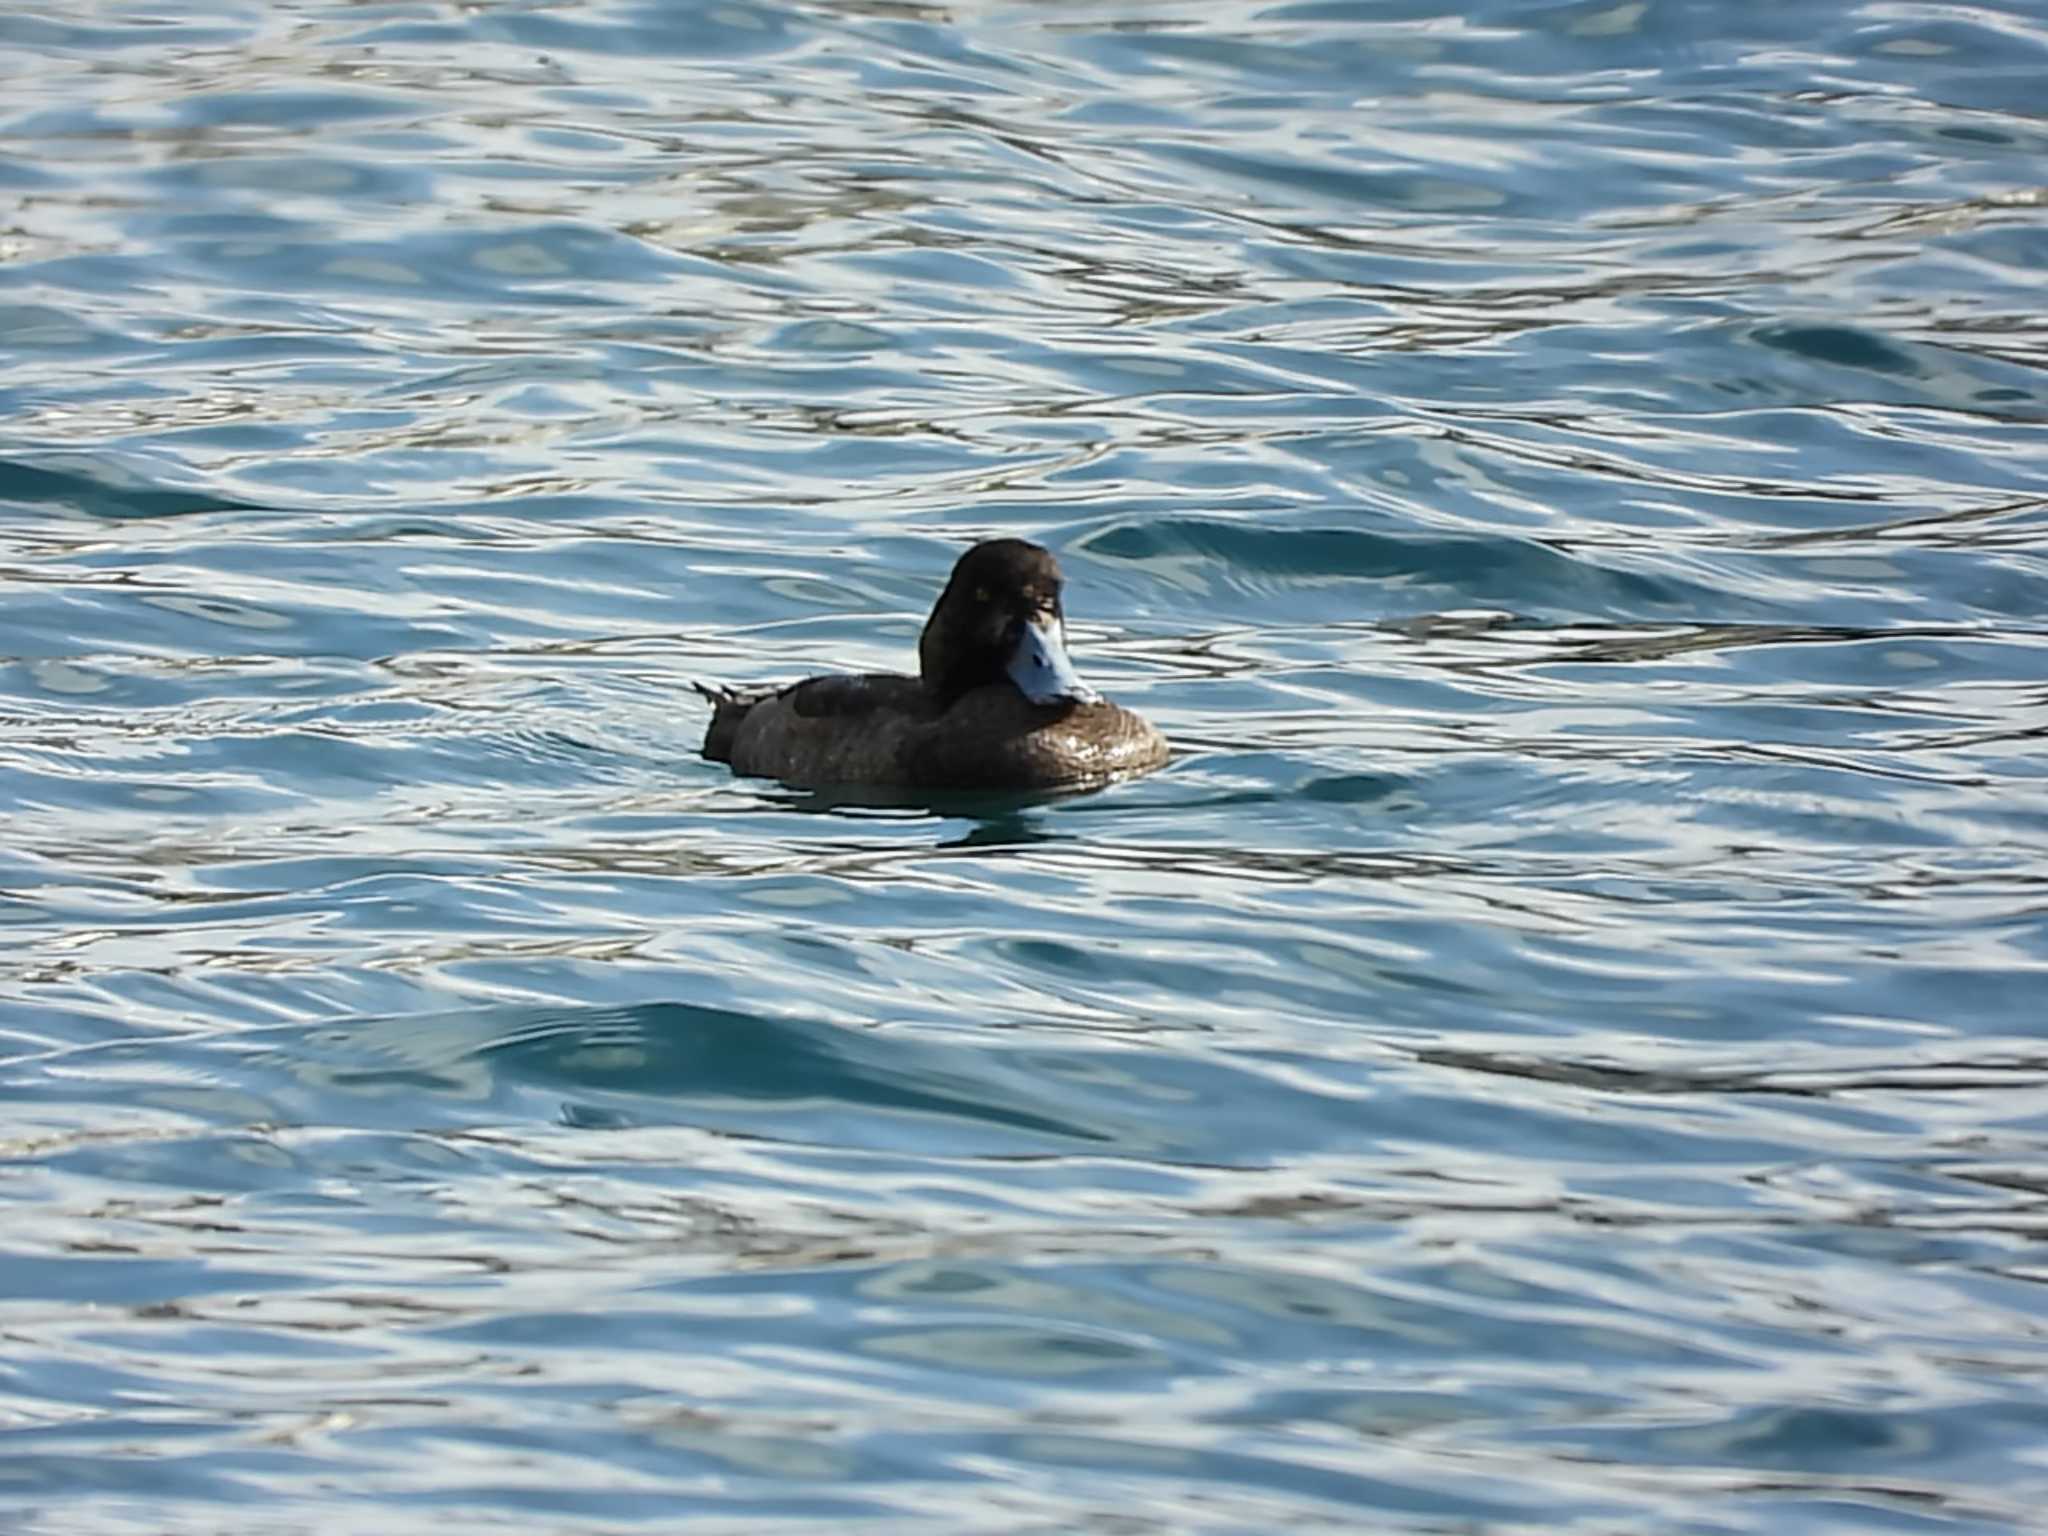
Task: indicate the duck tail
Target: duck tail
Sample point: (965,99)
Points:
(729,708)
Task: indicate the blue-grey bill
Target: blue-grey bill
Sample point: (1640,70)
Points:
(1041,671)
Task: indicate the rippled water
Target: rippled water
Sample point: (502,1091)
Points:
(1560,1049)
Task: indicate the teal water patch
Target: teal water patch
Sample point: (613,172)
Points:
(1429,574)
(103,489)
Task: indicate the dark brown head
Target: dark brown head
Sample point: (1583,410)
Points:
(1000,621)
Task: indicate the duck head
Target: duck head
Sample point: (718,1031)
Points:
(1000,620)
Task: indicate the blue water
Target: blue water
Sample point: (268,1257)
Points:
(1562,1047)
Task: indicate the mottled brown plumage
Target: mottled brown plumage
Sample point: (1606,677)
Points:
(964,723)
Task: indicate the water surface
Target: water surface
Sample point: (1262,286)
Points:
(1561,1047)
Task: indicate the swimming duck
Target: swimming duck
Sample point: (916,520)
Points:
(996,704)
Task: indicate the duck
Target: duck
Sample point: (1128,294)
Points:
(996,704)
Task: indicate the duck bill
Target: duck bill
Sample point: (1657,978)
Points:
(1040,668)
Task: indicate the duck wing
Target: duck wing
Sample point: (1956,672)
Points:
(844,698)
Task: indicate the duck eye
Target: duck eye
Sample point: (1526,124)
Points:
(981,594)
